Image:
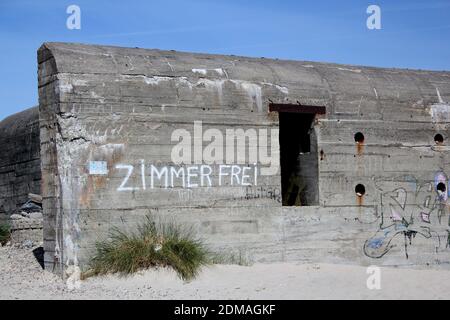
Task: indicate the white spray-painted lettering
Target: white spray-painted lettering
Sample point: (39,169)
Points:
(189,177)
(130,169)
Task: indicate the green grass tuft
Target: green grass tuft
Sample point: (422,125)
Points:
(5,234)
(152,245)
(230,258)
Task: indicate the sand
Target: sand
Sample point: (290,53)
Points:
(21,277)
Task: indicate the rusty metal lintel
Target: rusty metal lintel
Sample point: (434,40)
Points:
(296,108)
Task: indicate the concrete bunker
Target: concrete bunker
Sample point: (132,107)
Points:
(212,141)
(20,162)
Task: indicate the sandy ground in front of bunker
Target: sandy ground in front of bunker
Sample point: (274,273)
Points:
(21,277)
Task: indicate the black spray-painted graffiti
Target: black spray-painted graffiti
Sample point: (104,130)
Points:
(410,210)
(272,193)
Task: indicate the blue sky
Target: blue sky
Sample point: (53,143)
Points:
(415,34)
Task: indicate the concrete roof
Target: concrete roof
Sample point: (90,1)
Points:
(17,123)
(344,89)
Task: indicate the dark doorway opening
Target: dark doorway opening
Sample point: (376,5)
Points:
(298,155)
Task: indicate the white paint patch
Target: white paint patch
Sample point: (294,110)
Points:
(71,255)
(283,89)
(204,72)
(109,148)
(308,66)
(200,71)
(214,85)
(351,70)
(439,96)
(183,81)
(73,140)
(376,93)
(440,112)
(360,102)
(65,88)
(156,80)
(98,168)
(219,71)
(96,96)
(79,82)
(74,277)
(253,91)
(170,66)
(148,80)
(155,126)
(280,88)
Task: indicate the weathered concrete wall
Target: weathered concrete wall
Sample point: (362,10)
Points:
(20,166)
(109,117)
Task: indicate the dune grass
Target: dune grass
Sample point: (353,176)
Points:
(5,234)
(231,258)
(154,244)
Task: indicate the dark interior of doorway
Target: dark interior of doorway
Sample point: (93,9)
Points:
(298,159)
